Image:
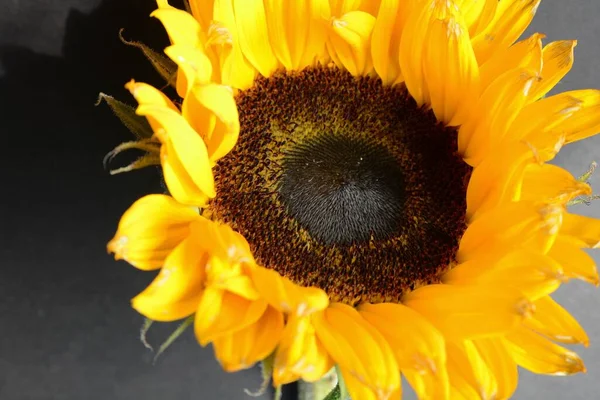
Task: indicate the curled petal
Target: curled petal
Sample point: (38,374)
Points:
(176,290)
(245,347)
(211,111)
(350,41)
(286,296)
(300,353)
(366,359)
(150,229)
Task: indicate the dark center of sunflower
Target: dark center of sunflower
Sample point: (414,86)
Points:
(343,183)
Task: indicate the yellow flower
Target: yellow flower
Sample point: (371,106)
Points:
(372,192)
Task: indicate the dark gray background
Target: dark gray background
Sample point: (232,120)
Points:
(66,330)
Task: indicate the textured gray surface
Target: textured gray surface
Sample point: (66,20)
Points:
(66,331)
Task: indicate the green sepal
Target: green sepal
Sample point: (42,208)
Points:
(266,371)
(144,331)
(137,124)
(173,336)
(166,68)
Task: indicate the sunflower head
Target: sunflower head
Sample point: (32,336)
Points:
(364,185)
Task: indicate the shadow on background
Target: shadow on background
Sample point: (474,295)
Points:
(66,326)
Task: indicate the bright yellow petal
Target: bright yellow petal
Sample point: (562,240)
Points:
(584,228)
(234,313)
(176,290)
(194,66)
(509,226)
(414,41)
(253,35)
(182,27)
(358,390)
(202,10)
(184,143)
(501,365)
(285,295)
(455,87)
(558,60)
(359,350)
(526,53)
(550,183)
(467,362)
(236,70)
(180,184)
(244,348)
(511,19)
(461,312)
(534,274)
(300,30)
(477,13)
(539,355)
(497,108)
(418,346)
(300,354)
(150,229)
(575,262)
(498,178)
(350,39)
(212,112)
(554,322)
(385,39)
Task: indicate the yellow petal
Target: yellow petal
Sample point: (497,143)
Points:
(465,361)
(461,312)
(202,10)
(523,54)
(245,347)
(285,295)
(358,390)
(385,39)
(180,184)
(498,178)
(234,313)
(253,35)
(176,290)
(300,30)
(350,40)
(497,108)
(477,13)
(300,354)
(150,229)
(584,228)
(414,41)
(194,66)
(550,183)
(147,95)
(418,346)
(558,60)
(455,87)
(545,115)
(534,274)
(575,262)
(182,27)
(236,70)
(359,350)
(539,355)
(501,365)
(511,19)
(554,322)
(183,143)
(511,225)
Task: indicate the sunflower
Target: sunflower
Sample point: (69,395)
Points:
(365,185)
